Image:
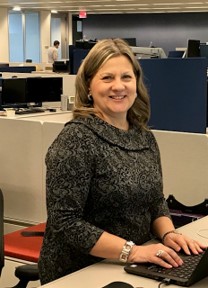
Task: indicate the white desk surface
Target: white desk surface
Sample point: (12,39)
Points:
(56,117)
(47,116)
(103,273)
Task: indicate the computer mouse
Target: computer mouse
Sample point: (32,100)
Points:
(118,284)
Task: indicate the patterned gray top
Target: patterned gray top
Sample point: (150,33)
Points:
(98,178)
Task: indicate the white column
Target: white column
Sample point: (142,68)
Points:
(70,36)
(4,32)
(45,34)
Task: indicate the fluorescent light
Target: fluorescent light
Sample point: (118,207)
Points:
(16,8)
(54,11)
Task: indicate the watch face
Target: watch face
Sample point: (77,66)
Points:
(126,251)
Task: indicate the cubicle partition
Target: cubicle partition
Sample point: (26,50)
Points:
(23,147)
(178,93)
(76,56)
(177,88)
(18,69)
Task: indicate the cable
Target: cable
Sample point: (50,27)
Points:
(200,233)
(165,281)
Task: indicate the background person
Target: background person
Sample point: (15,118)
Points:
(104,179)
(53,52)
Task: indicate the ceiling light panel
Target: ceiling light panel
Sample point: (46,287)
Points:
(106,6)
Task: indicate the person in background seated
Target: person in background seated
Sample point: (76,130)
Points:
(104,177)
(53,52)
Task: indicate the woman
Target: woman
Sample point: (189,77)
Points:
(104,179)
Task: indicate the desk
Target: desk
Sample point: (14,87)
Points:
(100,274)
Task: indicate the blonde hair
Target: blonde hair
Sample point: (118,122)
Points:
(105,49)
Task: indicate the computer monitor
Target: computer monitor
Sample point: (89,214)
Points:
(130,41)
(31,91)
(193,48)
(61,67)
(204,50)
(13,94)
(34,90)
(52,89)
(85,44)
(44,89)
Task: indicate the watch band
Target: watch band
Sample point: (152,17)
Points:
(126,251)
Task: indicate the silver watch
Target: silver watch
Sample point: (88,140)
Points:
(126,251)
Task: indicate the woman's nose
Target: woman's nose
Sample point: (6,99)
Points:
(118,84)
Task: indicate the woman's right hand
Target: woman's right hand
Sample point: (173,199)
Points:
(155,253)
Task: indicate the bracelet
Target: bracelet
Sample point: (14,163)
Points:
(172,231)
(126,251)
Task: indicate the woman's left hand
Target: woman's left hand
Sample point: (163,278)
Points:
(179,242)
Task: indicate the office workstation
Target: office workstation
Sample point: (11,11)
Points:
(32,135)
(103,273)
(181,137)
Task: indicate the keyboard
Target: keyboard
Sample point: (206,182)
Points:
(193,269)
(184,271)
(28,111)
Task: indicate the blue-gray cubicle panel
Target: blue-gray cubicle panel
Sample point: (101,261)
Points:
(18,69)
(178,93)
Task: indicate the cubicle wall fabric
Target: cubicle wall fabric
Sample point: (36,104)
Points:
(178,93)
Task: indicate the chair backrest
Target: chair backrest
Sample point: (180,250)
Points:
(1,231)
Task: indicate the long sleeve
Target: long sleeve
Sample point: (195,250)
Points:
(70,165)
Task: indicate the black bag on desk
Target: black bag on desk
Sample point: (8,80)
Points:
(182,214)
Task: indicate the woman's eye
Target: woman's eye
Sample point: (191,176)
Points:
(107,78)
(127,77)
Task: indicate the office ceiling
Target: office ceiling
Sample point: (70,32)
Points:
(110,6)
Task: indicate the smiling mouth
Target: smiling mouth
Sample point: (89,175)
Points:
(118,97)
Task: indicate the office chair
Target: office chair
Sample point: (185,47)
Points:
(182,214)
(1,231)
(17,246)
(25,273)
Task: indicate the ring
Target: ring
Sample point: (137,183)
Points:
(159,253)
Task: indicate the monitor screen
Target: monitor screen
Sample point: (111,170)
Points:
(13,93)
(130,41)
(52,89)
(61,67)
(35,92)
(204,50)
(31,91)
(193,48)
(44,89)
(83,44)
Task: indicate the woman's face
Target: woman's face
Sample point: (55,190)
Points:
(113,88)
